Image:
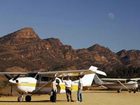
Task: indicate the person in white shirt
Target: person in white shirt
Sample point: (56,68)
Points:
(68,85)
(80,88)
(54,91)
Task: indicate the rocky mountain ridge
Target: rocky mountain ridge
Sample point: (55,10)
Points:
(20,37)
(24,50)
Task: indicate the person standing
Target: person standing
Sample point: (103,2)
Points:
(80,88)
(68,88)
(54,91)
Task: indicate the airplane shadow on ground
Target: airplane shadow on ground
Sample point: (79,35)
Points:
(36,101)
(101,91)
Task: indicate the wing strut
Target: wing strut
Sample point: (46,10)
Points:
(122,85)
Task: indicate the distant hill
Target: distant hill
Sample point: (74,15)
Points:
(24,50)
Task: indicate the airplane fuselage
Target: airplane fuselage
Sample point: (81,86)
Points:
(117,86)
(29,85)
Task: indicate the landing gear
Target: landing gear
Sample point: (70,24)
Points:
(135,90)
(28,98)
(21,98)
(119,90)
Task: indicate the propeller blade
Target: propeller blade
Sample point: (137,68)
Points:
(16,77)
(8,76)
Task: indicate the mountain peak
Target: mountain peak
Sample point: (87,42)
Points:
(21,36)
(96,47)
(26,32)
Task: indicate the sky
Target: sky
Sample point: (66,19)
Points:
(114,24)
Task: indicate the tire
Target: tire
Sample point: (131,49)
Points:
(118,91)
(20,99)
(134,91)
(28,98)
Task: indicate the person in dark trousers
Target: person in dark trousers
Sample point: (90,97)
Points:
(54,91)
(68,85)
(80,88)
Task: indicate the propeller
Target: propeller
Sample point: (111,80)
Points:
(11,78)
(16,77)
(8,76)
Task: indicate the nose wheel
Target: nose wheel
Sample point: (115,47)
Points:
(20,98)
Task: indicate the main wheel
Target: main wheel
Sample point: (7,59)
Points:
(20,98)
(28,98)
(134,91)
(119,91)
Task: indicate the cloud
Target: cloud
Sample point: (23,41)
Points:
(111,16)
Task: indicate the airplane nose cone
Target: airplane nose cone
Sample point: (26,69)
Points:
(12,81)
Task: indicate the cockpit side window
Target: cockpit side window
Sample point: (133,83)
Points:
(31,74)
(46,78)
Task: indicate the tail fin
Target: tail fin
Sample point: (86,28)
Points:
(88,78)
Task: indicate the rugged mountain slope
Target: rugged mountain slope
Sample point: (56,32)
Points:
(130,57)
(24,50)
(20,37)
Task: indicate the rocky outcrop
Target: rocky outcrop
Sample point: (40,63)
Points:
(20,37)
(100,56)
(130,57)
(25,50)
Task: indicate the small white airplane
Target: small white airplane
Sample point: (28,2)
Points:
(118,84)
(41,82)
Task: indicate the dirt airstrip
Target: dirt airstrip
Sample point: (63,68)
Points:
(89,98)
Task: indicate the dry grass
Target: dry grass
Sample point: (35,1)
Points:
(90,98)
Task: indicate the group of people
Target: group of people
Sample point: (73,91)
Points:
(68,89)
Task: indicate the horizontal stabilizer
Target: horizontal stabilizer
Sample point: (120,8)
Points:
(94,69)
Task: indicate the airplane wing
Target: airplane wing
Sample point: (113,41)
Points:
(91,70)
(113,79)
(52,73)
(66,73)
(135,79)
(117,80)
(14,73)
(120,79)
